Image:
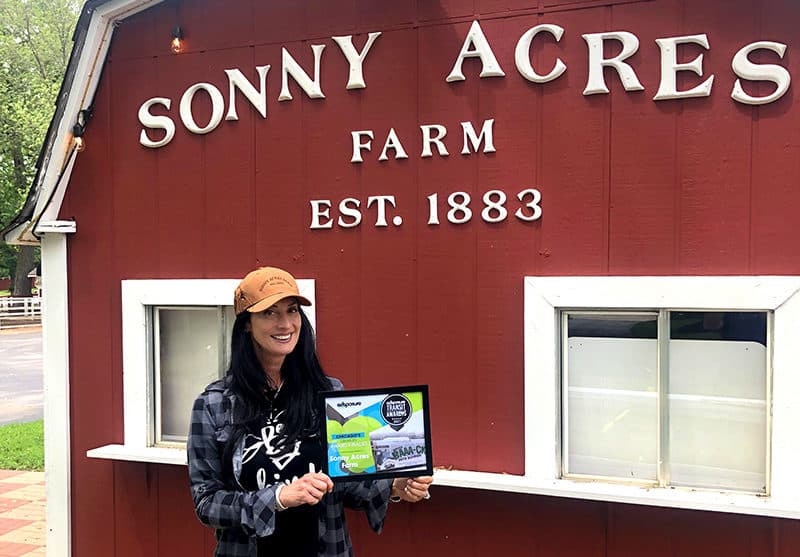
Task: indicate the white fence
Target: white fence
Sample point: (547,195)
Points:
(15,312)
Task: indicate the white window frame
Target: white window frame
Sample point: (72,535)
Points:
(546,297)
(662,394)
(138,297)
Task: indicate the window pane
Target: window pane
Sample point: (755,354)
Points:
(612,400)
(190,357)
(717,399)
(229,318)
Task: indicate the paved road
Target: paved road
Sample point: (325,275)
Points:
(21,389)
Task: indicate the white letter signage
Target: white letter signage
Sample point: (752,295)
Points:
(471,138)
(392,142)
(156,123)
(522,54)
(289,66)
(320,208)
(217,108)
(596,82)
(356,60)
(257,97)
(158,129)
(476,46)
(359,145)
(429,139)
(668,89)
(745,69)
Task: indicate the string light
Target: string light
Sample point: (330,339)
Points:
(79,128)
(176,46)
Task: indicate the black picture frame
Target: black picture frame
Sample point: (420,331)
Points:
(376,433)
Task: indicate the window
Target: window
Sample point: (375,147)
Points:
(175,337)
(190,350)
(724,368)
(669,398)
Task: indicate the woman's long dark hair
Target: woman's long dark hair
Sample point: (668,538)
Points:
(303,379)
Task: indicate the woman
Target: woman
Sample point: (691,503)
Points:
(254,448)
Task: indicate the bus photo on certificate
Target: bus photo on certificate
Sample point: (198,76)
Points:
(377,433)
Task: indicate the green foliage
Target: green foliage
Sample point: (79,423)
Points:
(22,446)
(8,258)
(35,44)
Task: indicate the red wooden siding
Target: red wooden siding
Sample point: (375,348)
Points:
(630,186)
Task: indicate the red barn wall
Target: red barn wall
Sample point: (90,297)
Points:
(629,186)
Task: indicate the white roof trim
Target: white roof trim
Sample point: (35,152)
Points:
(54,176)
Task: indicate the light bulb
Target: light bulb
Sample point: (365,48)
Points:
(176,46)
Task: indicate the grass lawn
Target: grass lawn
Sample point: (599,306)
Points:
(5,293)
(22,446)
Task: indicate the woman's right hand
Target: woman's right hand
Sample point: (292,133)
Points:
(307,490)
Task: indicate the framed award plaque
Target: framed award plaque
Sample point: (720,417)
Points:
(377,433)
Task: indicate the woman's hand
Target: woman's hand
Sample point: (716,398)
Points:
(412,489)
(307,490)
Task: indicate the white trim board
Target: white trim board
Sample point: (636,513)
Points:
(155,455)
(55,356)
(593,491)
(678,498)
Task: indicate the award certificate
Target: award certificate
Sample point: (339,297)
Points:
(377,433)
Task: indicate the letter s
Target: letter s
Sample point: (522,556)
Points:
(152,122)
(745,69)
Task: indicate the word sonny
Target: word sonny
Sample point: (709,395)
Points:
(459,210)
(475,45)
(257,97)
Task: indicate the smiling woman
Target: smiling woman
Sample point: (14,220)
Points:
(254,447)
(275,331)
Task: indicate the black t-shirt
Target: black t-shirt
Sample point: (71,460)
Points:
(297,528)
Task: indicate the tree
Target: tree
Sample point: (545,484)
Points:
(35,44)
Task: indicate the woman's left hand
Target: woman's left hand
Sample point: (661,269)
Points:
(412,489)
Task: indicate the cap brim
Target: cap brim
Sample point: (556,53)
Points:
(274,299)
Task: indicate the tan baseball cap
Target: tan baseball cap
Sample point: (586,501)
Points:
(264,287)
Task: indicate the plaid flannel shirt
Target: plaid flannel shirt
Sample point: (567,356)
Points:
(241,516)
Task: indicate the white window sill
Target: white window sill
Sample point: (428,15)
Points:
(679,498)
(156,455)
